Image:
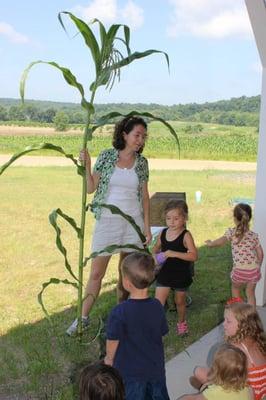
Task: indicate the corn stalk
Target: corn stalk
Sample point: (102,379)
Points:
(108,61)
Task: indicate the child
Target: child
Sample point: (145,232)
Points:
(101,382)
(226,378)
(247,253)
(243,329)
(176,249)
(134,333)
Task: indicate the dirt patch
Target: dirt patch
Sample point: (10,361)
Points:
(154,163)
(248,178)
(6,130)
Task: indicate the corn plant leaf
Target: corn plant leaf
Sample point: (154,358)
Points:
(105,119)
(68,76)
(111,35)
(70,220)
(117,211)
(53,221)
(88,133)
(52,281)
(112,247)
(99,330)
(137,55)
(103,77)
(102,31)
(88,37)
(42,146)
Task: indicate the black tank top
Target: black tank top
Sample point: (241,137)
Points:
(175,273)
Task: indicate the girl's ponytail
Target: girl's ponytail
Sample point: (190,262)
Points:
(242,215)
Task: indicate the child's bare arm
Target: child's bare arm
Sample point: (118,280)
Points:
(216,243)
(192,253)
(111,347)
(260,254)
(251,393)
(198,396)
(157,247)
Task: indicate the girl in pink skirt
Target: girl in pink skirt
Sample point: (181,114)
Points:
(247,253)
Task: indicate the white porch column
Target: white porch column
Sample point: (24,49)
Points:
(257,15)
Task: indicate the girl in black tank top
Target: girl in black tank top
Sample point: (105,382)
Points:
(177,250)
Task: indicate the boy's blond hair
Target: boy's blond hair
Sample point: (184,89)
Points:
(139,269)
(229,368)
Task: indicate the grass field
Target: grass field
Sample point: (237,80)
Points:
(39,360)
(215,142)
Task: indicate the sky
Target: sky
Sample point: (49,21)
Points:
(210,44)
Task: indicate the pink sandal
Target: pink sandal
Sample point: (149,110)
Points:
(182,328)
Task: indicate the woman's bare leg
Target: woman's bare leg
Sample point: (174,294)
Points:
(121,293)
(98,269)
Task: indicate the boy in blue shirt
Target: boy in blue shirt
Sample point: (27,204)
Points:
(134,333)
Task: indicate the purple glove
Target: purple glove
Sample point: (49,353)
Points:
(160,258)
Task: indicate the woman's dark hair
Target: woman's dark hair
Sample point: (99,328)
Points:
(125,126)
(101,382)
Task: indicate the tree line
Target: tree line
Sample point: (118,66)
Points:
(241,111)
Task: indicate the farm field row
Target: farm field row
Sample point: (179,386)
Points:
(214,142)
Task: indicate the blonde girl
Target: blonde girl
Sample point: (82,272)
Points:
(243,329)
(175,249)
(247,253)
(226,377)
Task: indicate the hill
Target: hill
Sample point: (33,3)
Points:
(241,111)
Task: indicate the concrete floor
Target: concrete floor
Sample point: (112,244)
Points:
(180,368)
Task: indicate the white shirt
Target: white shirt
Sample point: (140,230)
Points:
(123,192)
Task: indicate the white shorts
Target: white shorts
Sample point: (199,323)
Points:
(115,230)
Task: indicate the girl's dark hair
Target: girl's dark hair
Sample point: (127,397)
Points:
(101,382)
(242,215)
(125,126)
(181,205)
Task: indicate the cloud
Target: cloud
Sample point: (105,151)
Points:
(132,15)
(12,35)
(108,12)
(105,10)
(209,18)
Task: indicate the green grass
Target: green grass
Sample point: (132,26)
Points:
(215,142)
(39,361)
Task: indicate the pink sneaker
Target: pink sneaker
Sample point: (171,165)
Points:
(182,328)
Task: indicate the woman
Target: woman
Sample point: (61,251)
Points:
(120,177)
(243,329)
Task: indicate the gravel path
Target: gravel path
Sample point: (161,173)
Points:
(154,163)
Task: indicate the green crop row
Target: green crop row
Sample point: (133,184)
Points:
(213,142)
(235,148)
